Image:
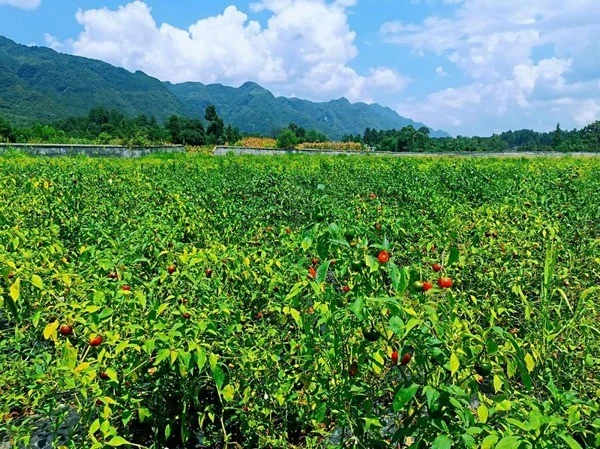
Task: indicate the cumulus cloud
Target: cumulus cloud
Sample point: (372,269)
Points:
(495,45)
(293,52)
(23,4)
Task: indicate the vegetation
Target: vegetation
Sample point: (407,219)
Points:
(103,126)
(257,142)
(300,302)
(334,146)
(409,139)
(287,139)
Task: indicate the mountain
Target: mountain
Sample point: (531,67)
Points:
(241,106)
(39,84)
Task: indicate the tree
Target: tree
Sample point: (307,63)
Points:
(591,136)
(368,137)
(192,133)
(6,132)
(388,144)
(232,135)
(215,133)
(173,125)
(314,136)
(557,137)
(98,115)
(287,139)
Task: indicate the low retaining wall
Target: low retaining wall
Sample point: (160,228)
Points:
(240,151)
(88,150)
(223,150)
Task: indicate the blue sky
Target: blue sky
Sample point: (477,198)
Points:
(464,66)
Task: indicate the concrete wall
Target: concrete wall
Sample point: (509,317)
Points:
(223,150)
(240,151)
(88,150)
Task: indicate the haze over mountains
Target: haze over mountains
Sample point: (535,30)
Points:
(39,84)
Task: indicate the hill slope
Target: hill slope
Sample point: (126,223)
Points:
(242,106)
(39,84)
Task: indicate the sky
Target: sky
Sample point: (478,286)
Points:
(468,67)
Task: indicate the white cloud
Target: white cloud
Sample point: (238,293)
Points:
(495,44)
(588,112)
(440,71)
(23,4)
(292,53)
(53,42)
(388,79)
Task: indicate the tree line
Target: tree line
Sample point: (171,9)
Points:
(409,139)
(103,126)
(293,135)
(110,127)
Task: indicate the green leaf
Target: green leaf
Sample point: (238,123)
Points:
(50,331)
(529,362)
(510,442)
(295,315)
(549,266)
(162,355)
(454,364)
(200,358)
(121,347)
(489,442)
(15,290)
(468,440)
(143,413)
(306,243)
(483,413)
(213,359)
(296,289)
(357,308)
(372,263)
(412,323)
(228,392)
(454,255)
(400,279)
(112,374)
(118,441)
(219,377)
(372,422)
(397,325)
(320,412)
(570,441)
(432,396)
(322,272)
(37,281)
(94,427)
(442,442)
(404,396)
(497,384)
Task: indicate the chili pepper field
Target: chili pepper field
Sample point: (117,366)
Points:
(300,302)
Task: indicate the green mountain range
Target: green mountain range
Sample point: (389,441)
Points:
(39,84)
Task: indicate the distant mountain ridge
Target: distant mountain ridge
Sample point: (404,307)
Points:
(335,118)
(39,84)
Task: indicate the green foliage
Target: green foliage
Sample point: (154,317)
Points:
(7,134)
(410,140)
(287,139)
(109,127)
(302,135)
(257,338)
